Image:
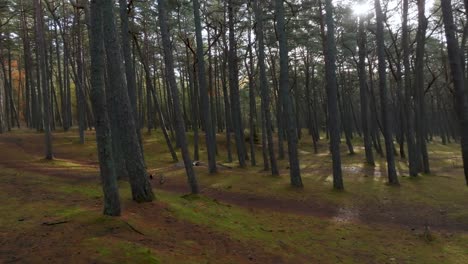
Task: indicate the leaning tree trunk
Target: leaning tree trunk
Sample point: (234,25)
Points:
(179,121)
(459,82)
(129,69)
(141,188)
(151,93)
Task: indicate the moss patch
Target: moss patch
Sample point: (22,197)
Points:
(117,251)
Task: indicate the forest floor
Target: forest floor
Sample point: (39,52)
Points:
(51,210)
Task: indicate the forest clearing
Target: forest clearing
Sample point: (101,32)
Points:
(52,211)
(231,131)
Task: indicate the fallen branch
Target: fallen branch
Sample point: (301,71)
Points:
(134,229)
(54,223)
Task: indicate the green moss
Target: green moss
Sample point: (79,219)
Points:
(293,235)
(69,212)
(296,237)
(90,191)
(118,251)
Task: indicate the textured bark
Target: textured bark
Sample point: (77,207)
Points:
(285,98)
(332,97)
(40,41)
(412,155)
(117,152)
(252,104)
(227,105)
(459,81)
(363,94)
(140,185)
(420,117)
(79,80)
(179,121)
(384,105)
(234,89)
(30,86)
(129,70)
(98,99)
(205,104)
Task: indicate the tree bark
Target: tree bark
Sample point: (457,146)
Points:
(392,175)
(43,77)
(459,82)
(332,97)
(98,99)
(140,185)
(363,94)
(205,104)
(285,97)
(180,126)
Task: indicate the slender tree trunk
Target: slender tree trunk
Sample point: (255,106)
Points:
(98,99)
(252,104)
(332,97)
(79,87)
(363,94)
(459,82)
(43,77)
(180,126)
(205,104)
(151,93)
(420,117)
(139,181)
(234,88)
(285,97)
(392,174)
(129,70)
(412,155)
(227,105)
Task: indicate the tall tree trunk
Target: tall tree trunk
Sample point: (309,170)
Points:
(227,105)
(98,99)
(363,94)
(129,70)
(205,104)
(459,82)
(420,117)
(332,97)
(79,87)
(392,174)
(285,97)
(43,77)
(180,126)
(234,88)
(151,93)
(140,185)
(252,105)
(412,152)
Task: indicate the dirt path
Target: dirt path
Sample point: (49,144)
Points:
(405,215)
